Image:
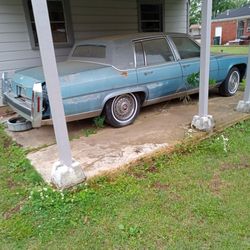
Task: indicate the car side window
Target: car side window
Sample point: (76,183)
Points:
(157,51)
(186,47)
(139,55)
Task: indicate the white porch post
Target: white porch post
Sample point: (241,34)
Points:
(66,172)
(203,121)
(244,105)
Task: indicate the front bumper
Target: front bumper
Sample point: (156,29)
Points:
(20,106)
(25,108)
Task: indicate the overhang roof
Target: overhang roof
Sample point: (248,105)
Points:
(234,13)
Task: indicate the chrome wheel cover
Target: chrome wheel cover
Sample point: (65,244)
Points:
(233,82)
(124,108)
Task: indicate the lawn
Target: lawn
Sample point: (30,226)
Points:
(194,198)
(230,49)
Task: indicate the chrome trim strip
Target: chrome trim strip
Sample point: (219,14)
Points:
(103,64)
(174,96)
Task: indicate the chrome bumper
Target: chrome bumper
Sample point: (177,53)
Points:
(30,110)
(18,105)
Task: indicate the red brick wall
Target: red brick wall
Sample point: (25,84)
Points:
(229,30)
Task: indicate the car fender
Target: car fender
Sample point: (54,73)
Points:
(225,66)
(134,89)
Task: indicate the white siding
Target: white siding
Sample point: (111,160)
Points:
(176,16)
(103,17)
(89,19)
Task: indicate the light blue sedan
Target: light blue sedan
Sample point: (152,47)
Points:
(116,76)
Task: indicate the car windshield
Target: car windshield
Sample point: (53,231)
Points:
(90,51)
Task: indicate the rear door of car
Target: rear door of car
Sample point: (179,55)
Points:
(188,52)
(157,67)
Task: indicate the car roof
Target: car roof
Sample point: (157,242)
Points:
(119,48)
(125,38)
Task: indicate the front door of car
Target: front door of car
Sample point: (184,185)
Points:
(189,53)
(157,68)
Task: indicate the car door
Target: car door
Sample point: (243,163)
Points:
(189,58)
(157,67)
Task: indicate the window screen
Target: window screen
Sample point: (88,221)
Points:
(150,17)
(186,47)
(157,51)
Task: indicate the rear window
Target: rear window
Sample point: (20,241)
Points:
(95,51)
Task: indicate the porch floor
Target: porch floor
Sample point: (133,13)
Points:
(158,128)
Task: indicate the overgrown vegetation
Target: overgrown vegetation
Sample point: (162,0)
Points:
(193,80)
(99,121)
(194,198)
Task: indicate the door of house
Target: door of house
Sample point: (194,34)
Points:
(218,33)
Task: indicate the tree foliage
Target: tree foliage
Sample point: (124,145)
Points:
(219,6)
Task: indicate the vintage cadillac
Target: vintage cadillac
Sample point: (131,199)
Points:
(116,76)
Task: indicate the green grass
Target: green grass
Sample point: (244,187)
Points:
(194,198)
(230,49)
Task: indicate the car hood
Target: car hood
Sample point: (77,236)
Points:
(28,77)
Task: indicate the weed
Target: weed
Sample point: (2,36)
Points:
(243,85)
(99,121)
(89,131)
(193,79)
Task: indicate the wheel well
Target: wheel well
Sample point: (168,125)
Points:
(142,96)
(242,69)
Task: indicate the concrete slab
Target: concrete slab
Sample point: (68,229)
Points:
(157,128)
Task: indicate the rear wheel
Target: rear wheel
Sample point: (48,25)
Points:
(231,84)
(122,110)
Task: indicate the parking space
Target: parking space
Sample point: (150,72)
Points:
(100,150)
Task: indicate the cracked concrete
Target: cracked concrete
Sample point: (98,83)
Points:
(157,128)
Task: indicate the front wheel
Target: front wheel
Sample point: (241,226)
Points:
(231,84)
(122,110)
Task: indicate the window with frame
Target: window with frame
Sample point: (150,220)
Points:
(156,52)
(150,16)
(186,47)
(59,21)
(248,25)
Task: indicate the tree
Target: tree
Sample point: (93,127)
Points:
(219,6)
(195,12)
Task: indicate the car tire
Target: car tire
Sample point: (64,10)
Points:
(231,84)
(122,110)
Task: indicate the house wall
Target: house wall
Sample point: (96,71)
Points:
(176,16)
(229,30)
(89,19)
